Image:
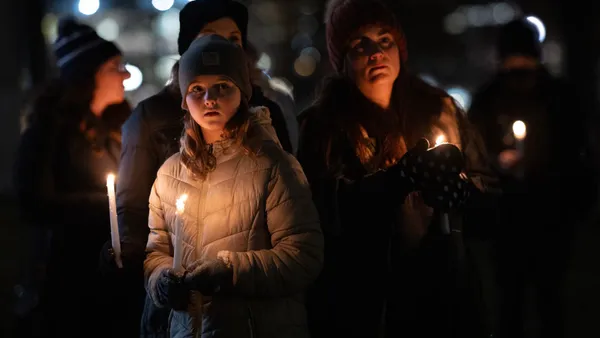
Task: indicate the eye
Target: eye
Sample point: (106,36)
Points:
(223,86)
(357,46)
(197,89)
(386,41)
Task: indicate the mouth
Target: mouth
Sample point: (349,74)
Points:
(211,113)
(377,67)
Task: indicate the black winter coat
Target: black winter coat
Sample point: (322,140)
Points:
(60,179)
(558,164)
(388,270)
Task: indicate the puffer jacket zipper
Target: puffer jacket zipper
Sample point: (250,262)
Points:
(201,206)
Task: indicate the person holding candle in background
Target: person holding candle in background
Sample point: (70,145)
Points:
(251,237)
(70,143)
(534,129)
(361,146)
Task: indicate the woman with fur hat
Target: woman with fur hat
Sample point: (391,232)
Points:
(390,269)
(250,231)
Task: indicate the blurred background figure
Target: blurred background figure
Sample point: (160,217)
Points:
(548,183)
(71,142)
(276,93)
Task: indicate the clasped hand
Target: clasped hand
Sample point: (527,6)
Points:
(205,276)
(437,172)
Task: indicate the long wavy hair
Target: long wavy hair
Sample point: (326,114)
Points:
(414,109)
(66,104)
(65,101)
(196,154)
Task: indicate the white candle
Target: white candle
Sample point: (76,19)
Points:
(178,245)
(114,224)
(444,218)
(519,131)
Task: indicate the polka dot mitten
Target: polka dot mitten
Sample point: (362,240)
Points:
(438,173)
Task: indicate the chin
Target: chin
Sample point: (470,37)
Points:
(117,100)
(381,78)
(212,125)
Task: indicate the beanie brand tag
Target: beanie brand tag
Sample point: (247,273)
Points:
(210,59)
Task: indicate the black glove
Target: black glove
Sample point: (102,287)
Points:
(209,276)
(132,257)
(172,290)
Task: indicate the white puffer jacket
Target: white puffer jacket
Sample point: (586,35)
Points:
(258,211)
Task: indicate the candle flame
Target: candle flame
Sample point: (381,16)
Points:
(110,179)
(440,139)
(519,130)
(180,203)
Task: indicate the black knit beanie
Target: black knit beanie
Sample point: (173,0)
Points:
(214,55)
(79,51)
(196,14)
(518,37)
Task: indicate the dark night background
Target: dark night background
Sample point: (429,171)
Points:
(450,43)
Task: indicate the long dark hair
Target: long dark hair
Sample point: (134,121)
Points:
(195,153)
(414,108)
(60,100)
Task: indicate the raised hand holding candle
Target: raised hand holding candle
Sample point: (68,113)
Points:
(178,245)
(114,225)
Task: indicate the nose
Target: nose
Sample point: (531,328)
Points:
(210,100)
(124,72)
(373,50)
(376,54)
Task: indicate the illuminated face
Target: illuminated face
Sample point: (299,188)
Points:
(212,101)
(373,57)
(109,81)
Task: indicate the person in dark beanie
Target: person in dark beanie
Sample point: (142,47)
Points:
(152,135)
(261,242)
(71,141)
(549,188)
(519,38)
(390,269)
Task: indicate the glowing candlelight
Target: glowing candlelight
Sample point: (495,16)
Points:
(520,132)
(114,224)
(178,246)
(441,139)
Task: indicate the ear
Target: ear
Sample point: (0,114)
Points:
(184,105)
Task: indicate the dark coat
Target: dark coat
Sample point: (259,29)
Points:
(61,170)
(388,270)
(558,166)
